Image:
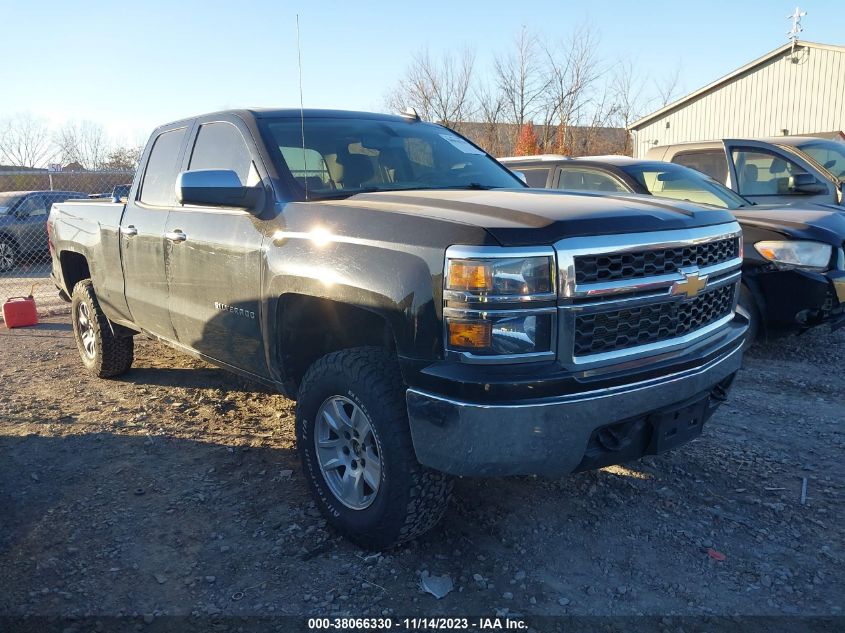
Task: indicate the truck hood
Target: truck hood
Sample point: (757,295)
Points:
(811,223)
(522,217)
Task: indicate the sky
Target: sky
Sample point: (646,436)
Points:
(134,66)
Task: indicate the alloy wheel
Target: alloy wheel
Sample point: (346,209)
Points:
(86,330)
(347,452)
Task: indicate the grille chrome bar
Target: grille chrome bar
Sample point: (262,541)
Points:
(570,248)
(615,302)
(602,289)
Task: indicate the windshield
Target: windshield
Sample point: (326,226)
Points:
(7,202)
(828,154)
(667,180)
(344,156)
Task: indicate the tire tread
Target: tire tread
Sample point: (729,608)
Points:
(430,490)
(116,353)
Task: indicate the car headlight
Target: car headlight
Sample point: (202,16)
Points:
(500,332)
(499,303)
(800,254)
(513,278)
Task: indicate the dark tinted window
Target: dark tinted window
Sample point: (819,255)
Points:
(535,177)
(159,186)
(221,146)
(710,161)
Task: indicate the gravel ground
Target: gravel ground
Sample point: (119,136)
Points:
(176,490)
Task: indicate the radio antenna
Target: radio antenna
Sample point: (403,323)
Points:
(301,109)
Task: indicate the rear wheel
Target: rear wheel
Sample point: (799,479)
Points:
(8,254)
(355,444)
(103,353)
(747,307)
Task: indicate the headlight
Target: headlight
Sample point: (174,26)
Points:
(500,333)
(501,278)
(500,303)
(810,255)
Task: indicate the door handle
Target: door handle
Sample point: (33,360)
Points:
(176,236)
(128,231)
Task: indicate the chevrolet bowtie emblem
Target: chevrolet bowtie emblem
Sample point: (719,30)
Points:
(690,285)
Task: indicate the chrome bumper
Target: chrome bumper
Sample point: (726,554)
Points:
(545,438)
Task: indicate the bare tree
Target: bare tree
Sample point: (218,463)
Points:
(521,79)
(440,89)
(593,138)
(84,143)
(25,141)
(627,90)
(573,69)
(491,111)
(669,86)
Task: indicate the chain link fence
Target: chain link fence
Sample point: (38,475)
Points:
(25,200)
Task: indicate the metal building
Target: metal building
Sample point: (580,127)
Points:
(789,91)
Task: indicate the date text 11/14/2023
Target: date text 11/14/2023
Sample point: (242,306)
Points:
(417,624)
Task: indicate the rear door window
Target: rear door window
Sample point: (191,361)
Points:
(708,161)
(535,177)
(763,173)
(586,179)
(220,145)
(159,185)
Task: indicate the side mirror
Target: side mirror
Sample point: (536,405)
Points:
(520,175)
(215,188)
(806,183)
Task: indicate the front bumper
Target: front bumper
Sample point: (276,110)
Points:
(551,437)
(796,299)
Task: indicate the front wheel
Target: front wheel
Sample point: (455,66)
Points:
(355,445)
(103,353)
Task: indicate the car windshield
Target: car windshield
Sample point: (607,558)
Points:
(7,202)
(667,180)
(338,157)
(828,154)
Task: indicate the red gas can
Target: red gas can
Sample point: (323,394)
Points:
(20,312)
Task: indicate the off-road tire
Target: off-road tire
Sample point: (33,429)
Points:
(747,306)
(411,498)
(113,354)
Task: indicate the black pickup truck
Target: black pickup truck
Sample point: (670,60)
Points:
(430,314)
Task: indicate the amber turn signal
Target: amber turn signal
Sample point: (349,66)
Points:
(469,334)
(469,275)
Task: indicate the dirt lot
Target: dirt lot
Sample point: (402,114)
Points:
(176,490)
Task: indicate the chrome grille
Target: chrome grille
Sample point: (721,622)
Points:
(651,262)
(620,329)
(628,296)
